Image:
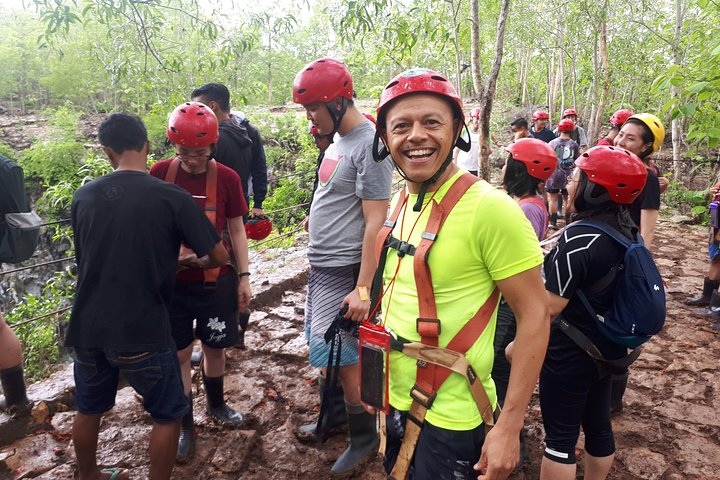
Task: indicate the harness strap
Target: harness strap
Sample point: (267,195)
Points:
(210,275)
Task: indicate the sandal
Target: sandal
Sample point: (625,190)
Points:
(117,473)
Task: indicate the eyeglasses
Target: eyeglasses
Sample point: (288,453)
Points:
(185,156)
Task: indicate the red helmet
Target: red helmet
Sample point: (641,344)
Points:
(192,124)
(566,125)
(540,115)
(370,117)
(539,157)
(569,111)
(419,80)
(475,112)
(323,81)
(622,173)
(620,117)
(258,228)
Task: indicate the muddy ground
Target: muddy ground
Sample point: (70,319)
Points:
(670,428)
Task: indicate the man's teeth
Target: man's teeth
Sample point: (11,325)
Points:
(420,153)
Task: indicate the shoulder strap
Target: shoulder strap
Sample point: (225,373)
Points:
(582,341)
(610,231)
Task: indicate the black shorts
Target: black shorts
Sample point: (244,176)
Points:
(214,309)
(441,454)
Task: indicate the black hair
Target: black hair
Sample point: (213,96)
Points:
(517,181)
(519,123)
(600,204)
(647,137)
(216,92)
(121,132)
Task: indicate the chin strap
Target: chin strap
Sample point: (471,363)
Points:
(336,115)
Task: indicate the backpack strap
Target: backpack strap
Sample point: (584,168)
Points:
(210,275)
(582,341)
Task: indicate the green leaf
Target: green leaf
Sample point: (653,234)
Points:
(698,210)
(697,87)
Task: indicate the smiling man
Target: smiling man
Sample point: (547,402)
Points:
(461,244)
(348,209)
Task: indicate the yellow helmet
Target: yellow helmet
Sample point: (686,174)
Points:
(655,126)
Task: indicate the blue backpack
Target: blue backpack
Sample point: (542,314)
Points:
(638,307)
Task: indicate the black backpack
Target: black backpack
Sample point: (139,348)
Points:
(19,227)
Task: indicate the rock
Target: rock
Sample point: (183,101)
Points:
(644,463)
(682,219)
(63,422)
(40,412)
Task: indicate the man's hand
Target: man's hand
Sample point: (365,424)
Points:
(664,182)
(244,293)
(500,454)
(257,212)
(358,310)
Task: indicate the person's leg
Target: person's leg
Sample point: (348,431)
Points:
(553,208)
(85,435)
(552,470)
(162,449)
(214,380)
(95,388)
(12,379)
(599,439)
(185,368)
(443,454)
(711,282)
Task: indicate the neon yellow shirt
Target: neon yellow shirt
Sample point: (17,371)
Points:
(485,238)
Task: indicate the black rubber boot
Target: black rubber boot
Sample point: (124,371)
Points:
(186,444)
(216,406)
(713,310)
(364,441)
(196,356)
(553,220)
(243,320)
(709,286)
(334,418)
(617,391)
(15,400)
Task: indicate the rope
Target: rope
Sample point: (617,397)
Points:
(64,220)
(288,208)
(25,322)
(20,269)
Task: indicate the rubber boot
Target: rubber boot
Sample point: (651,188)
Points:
(243,320)
(334,417)
(15,400)
(709,286)
(186,444)
(216,406)
(713,310)
(617,391)
(364,441)
(553,221)
(197,354)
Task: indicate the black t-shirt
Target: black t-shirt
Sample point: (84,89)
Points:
(582,257)
(128,227)
(234,150)
(649,198)
(546,135)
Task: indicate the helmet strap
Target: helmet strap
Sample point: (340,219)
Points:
(588,196)
(337,115)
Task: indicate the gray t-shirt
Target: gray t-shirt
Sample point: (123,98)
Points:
(347,176)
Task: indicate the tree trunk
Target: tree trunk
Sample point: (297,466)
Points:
(526,75)
(680,9)
(594,134)
(456,43)
(486,103)
(270,70)
(475,48)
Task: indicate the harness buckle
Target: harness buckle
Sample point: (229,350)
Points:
(428,327)
(403,248)
(424,398)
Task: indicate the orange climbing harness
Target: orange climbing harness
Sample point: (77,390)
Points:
(434,363)
(210,275)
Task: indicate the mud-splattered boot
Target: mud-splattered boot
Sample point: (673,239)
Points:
(334,417)
(617,391)
(216,406)
(713,310)
(243,320)
(15,400)
(364,441)
(709,286)
(186,443)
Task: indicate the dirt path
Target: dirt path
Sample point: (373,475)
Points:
(670,429)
